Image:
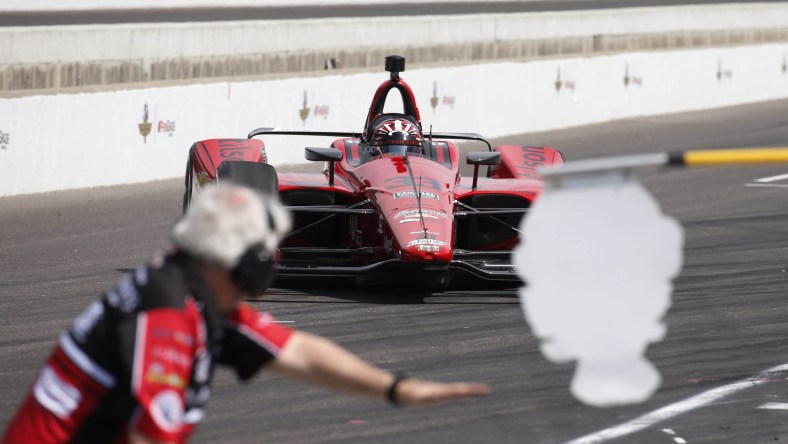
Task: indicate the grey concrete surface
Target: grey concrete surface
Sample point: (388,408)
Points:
(727,322)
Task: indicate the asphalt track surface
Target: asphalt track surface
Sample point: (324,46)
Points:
(728,322)
(45,18)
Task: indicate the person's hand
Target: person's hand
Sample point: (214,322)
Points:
(411,392)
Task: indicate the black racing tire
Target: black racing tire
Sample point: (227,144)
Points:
(257,176)
(188,185)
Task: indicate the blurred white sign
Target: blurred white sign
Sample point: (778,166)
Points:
(598,259)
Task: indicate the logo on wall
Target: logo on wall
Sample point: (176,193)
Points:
(145,126)
(319,110)
(5,140)
(563,83)
(166,126)
(434,99)
(304,111)
(437,100)
(634,80)
(723,73)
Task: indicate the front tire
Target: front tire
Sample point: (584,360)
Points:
(188,184)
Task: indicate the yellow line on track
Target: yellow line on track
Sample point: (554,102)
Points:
(736,156)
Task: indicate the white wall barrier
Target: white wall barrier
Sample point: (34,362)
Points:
(161,41)
(74,5)
(71,141)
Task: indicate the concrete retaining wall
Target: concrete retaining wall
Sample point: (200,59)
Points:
(78,56)
(75,5)
(22,78)
(69,141)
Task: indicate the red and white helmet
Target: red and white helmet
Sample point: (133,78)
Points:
(397,137)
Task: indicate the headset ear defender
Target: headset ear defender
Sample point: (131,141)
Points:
(255,270)
(257,266)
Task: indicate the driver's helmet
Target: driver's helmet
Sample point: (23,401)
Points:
(396,137)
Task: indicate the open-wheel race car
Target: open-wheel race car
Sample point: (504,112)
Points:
(391,204)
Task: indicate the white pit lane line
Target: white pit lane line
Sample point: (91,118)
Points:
(771,178)
(774,406)
(766,185)
(767,182)
(676,439)
(698,401)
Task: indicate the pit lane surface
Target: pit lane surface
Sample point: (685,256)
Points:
(727,322)
(212,14)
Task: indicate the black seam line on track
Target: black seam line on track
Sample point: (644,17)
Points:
(41,278)
(215,14)
(394,303)
(724,221)
(73,236)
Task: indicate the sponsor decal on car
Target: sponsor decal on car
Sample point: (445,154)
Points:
(412,195)
(395,183)
(234,149)
(424,213)
(533,158)
(431,234)
(433,242)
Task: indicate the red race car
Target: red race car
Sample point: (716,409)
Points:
(390,205)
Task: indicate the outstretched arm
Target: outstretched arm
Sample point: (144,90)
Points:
(320,361)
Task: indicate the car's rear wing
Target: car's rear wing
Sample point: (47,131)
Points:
(306,132)
(300,132)
(461,136)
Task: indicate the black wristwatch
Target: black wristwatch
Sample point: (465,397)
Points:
(391,394)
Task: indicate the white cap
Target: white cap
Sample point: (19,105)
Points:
(225,219)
